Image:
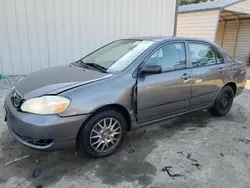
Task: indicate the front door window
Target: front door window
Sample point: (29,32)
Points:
(170,56)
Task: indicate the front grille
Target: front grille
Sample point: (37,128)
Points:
(16,99)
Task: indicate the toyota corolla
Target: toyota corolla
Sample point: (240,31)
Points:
(90,104)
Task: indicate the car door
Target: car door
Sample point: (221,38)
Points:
(167,93)
(208,70)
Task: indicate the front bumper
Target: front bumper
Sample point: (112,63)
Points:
(43,132)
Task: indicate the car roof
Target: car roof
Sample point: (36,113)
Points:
(165,38)
(150,38)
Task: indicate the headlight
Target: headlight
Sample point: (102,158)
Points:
(46,105)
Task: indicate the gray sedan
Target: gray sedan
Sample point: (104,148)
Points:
(90,104)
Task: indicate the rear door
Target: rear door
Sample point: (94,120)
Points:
(167,93)
(209,71)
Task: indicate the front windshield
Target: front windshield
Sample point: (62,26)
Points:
(117,55)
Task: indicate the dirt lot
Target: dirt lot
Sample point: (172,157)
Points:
(219,145)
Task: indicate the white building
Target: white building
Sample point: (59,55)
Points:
(35,34)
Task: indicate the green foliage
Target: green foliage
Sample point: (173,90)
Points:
(187,2)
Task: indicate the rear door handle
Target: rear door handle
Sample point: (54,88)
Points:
(185,76)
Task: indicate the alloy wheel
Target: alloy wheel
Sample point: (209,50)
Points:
(105,135)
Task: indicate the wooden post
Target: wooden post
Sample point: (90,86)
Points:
(237,35)
(223,36)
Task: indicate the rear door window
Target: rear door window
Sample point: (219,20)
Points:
(202,55)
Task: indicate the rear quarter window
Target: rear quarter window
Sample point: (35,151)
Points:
(227,57)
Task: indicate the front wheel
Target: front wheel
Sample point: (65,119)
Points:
(103,134)
(223,102)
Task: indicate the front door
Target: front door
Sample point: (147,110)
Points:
(167,93)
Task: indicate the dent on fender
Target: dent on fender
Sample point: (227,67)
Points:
(89,98)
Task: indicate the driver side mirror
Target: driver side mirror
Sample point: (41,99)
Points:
(151,69)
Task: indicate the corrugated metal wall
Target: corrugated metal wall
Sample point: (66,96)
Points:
(230,37)
(35,34)
(226,37)
(201,24)
(220,34)
(243,45)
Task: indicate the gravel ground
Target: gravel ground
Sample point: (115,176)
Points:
(7,82)
(202,150)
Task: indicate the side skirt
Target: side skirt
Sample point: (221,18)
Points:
(135,125)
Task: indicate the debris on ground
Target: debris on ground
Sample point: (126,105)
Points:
(180,152)
(131,150)
(37,160)
(7,82)
(17,159)
(244,140)
(166,169)
(36,173)
(189,157)
(197,165)
(222,154)
(39,186)
(191,129)
(244,127)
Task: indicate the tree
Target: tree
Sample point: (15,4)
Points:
(187,2)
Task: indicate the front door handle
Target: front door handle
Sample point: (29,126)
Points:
(185,76)
(221,70)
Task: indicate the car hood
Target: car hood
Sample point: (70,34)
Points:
(56,79)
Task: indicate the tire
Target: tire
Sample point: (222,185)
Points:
(223,102)
(88,134)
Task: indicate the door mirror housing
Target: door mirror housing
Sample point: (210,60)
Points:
(151,69)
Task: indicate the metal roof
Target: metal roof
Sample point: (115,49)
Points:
(218,4)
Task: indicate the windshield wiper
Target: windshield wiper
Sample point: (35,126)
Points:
(80,63)
(88,65)
(99,67)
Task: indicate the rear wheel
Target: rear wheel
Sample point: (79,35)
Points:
(103,134)
(223,102)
